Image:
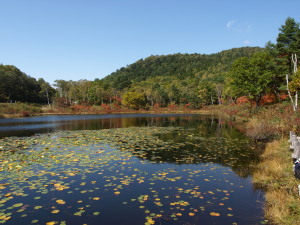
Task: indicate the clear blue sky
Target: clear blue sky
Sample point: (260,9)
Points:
(88,39)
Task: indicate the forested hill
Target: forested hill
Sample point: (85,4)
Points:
(181,66)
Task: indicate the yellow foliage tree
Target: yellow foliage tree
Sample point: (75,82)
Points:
(134,100)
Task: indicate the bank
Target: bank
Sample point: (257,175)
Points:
(274,174)
(13,110)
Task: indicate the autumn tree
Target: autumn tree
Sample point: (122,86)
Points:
(134,100)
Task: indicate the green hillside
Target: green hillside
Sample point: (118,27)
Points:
(178,65)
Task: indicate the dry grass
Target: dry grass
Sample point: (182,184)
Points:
(275,209)
(271,122)
(264,123)
(25,109)
(19,109)
(275,175)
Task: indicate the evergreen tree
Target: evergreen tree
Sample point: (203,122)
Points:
(288,43)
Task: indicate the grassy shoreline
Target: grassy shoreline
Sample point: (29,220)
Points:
(275,175)
(13,110)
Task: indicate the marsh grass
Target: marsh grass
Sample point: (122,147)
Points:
(272,122)
(20,109)
(263,123)
(275,174)
(26,109)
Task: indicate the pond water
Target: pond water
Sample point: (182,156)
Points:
(43,124)
(127,169)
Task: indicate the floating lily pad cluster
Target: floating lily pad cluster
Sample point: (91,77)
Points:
(125,176)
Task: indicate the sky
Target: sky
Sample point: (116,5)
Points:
(89,39)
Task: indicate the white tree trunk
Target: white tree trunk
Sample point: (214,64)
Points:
(294,101)
(295,61)
(290,95)
(47,95)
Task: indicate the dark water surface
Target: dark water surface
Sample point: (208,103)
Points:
(127,169)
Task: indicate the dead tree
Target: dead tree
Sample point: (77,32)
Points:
(295,99)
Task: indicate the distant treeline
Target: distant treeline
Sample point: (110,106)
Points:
(157,80)
(16,86)
(191,80)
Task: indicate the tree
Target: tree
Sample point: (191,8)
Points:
(206,92)
(288,43)
(46,92)
(82,88)
(134,100)
(96,92)
(15,85)
(295,84)
(173,93)
(252,76)
(288,48)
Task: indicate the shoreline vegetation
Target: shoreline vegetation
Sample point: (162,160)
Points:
(274,174)
(13,110)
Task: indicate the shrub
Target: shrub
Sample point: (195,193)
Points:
(261,130)
(19,108)
(25,114)
(106,107)
(81,108)
(272,122)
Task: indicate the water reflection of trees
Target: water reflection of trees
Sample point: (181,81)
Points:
(202,140)
(28,128)
(125,122)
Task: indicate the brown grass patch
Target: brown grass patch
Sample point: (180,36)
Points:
(275,174)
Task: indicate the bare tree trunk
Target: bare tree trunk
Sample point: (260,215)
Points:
(220,100)
(294,59)
(47,95)
(290,95)
(294,102)
(232,100)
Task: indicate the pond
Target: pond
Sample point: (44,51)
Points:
(127,169)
